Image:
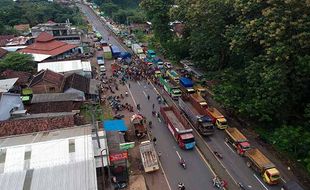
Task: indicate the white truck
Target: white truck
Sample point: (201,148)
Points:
(148,156)
(137,49)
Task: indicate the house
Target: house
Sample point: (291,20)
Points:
(60,31)
(23,28)
(23,77)
(82,85)
(4,39)
(69,66)
(47,47)
(20,41)
(55,159)
(55,102)
(7,84)
(47,81)
(9,104)
(178,28)
(3,52)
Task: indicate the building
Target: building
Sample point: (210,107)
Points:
(55,102)
(23,28)
(70,66)
(60,159)
(79,84)
(4,39)
(47,81)
(23,77)
(60,31)
(3,53)
(10,104)
(46,47)
(7,84)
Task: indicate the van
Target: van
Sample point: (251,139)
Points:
(168,65)
(102,68)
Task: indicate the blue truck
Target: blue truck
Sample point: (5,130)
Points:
(187,85)
(115,51)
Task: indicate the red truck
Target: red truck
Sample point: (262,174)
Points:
(217,118)
(179,127)
(237,140)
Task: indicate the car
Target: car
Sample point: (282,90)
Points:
(168,65)
(102,68)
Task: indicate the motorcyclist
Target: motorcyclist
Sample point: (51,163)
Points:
(126,93)
(138,107)
(181,186)
(182,163)
(150,123)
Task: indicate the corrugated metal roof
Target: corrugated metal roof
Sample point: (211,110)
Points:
(56,97)
(7,84)
(60,159)
(65,66)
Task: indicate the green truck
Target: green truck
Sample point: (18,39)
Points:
(172,90)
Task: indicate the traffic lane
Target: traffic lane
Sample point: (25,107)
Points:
(98,24)
(236,164)
(169,148)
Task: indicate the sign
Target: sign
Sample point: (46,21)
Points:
(126,146)
(120,156)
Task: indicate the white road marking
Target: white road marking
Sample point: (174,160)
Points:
(144,94)
(134,101)
(159,120)
(229,147)
(283,180)
(165,176)
(260,182)
(178,154)
(138,83)
(201,155)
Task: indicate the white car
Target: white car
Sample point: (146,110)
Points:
(168,65)
(102,68)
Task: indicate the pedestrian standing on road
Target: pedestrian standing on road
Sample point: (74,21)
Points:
(148,97)
(154,140)
(128,85)
(153,106)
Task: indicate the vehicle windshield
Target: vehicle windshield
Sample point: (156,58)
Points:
(186,141)
(275,177)
(224,123)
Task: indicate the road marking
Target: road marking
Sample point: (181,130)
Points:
(229,147)
(178,154)
(159,120)
(165,176)
(144,94)
(283,180)
(260,182)
(134,101)
(201,155)
(138,83)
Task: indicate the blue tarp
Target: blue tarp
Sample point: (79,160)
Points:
(186,82)
(125,55)
(115,51)
(114,125)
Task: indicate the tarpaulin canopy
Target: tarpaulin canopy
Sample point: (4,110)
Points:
(114,125)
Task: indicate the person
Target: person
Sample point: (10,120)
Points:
(128,85)
(153,113)
(126,93)
(153,106)
(181,186)
(154,140)
(138,106)
(148,97)
(159,154)
(150,124)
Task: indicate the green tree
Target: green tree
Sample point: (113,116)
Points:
(18,62)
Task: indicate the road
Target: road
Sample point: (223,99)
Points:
(196,165)
(234,164)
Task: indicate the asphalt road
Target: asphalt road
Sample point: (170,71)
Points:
(197,175)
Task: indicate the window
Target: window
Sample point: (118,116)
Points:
(71,145)
(51,89)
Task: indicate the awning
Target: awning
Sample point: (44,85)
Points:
(114,125)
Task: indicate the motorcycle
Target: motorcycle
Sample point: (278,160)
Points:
(218,154)
(119,116)
(182,163)
(219,183)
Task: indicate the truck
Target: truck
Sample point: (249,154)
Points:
(115,51)
(158,62)
(217,118)
(260,163)
(199,103)
(138,123)
(100,60)
(202,123)
(148,156)
(150,54)
(200,90)
(237,140)
(187,85)
(171,89)
(174,76)
(178,127)
(107,52)
(137,49)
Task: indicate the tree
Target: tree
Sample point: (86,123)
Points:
(18,62)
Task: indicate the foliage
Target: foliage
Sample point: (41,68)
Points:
(33,13)
(260,52)
(18,62)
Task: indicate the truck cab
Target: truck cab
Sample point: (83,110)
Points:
(271,176)
(157,73)
(186,141)
(207,126)
(221,123)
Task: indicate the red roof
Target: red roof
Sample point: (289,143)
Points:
(5,39)
(23,77)
(46,44)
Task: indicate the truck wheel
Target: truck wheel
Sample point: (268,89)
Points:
(248,164)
